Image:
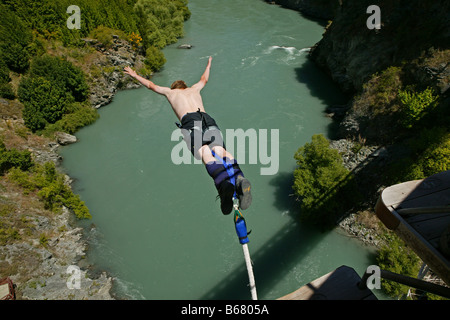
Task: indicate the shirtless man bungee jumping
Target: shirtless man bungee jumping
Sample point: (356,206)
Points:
(188,106)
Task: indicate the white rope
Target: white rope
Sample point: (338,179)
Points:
(248,261)
(251,278)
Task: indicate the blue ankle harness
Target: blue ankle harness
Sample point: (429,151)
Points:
(229,167)
(239,221)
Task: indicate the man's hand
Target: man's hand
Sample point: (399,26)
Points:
(130,72)
(149,84)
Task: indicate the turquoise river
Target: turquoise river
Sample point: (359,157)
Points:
(159,231)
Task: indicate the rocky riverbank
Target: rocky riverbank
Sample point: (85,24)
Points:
(48,247)
(40,245)
(356,156)
(106,67)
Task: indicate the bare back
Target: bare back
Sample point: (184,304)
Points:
(185,100)
(182,100)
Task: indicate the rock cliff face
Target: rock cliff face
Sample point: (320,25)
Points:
(413,35)
(351,52)
(107,75)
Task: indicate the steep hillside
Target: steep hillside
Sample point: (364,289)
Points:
(395,126)
(52,80)
(351,52)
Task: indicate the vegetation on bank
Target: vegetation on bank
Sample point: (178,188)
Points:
(46,82)
(47,74)
(319,180)
(44,180)
(393,109)
(52,89)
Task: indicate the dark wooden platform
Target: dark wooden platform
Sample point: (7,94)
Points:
(419,213)
(340,284)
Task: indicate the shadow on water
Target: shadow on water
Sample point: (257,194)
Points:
(270,264)
(316,80)
(320,21)
(284,200)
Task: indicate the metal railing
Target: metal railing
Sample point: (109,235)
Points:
(408,281)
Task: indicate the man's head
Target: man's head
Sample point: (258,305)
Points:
(179,84)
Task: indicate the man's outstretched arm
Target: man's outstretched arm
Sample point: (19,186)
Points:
(205,76)
(149,84)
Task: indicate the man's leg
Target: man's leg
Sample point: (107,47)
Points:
(217,170)
(221,179)
(243,186)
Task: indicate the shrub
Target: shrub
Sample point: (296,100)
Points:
(79,116)
(437,160)
(14,158)
(135,40)
(8,234)
(436,157)
(321,182)
(154,58)
(396,257)
(104,35)
(56,194)
(6,91)
(380,92)
(43,240)
(4,72)
(430,154)
(22,178)
(52,84)
(416,104)
(51,189)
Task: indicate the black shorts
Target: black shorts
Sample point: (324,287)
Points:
(200,129)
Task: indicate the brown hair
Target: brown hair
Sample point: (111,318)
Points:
(179,84)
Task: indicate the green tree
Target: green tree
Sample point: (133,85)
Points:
(321,183)
(160,22)
(154,58)
(43,102)
(429,154)
(15,37)
(6,90)
(78,116)
(51,85)
(61,73)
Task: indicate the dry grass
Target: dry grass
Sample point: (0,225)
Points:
(371,221)
(10,109)
(13,132)
(438,60)
(438,57)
